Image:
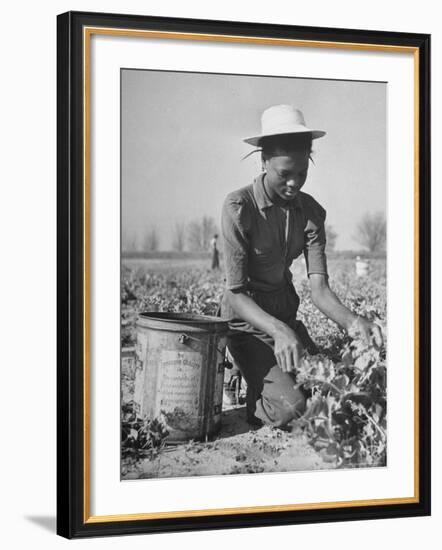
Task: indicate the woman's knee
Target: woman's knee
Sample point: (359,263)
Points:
(280,409)
(292,409)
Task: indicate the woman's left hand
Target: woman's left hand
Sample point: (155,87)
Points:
(370,332)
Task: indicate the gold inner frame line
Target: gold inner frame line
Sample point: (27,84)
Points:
(87,33)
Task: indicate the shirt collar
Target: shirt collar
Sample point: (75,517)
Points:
(263,200)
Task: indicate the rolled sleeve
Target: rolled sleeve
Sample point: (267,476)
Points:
(235,240)
(315,239)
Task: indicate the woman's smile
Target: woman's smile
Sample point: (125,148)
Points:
(286,173)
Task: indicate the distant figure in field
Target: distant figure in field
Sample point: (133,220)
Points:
(215,252)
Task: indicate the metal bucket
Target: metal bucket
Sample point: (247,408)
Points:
(361,268)
(180,359)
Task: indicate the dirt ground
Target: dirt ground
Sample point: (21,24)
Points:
(237,449)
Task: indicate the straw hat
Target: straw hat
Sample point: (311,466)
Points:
(280,120)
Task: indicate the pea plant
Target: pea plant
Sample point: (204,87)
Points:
(345,419)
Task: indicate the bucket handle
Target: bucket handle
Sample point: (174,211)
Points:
(184,338)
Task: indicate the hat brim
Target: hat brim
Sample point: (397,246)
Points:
(255,140)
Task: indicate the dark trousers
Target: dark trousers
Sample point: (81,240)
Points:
(272,395)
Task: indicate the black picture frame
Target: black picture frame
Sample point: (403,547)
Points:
(73,519)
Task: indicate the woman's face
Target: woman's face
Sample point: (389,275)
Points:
(286,173)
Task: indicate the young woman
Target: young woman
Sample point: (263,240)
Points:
(265,226)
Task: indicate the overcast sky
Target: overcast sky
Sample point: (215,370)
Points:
(182,145)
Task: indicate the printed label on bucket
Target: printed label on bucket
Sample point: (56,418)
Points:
(178,386)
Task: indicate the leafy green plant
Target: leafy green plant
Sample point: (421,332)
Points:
(345,419)
(140,438)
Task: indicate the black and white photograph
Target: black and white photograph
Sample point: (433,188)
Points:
(253,274)
(221,252)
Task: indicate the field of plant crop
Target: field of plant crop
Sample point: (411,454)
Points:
(345,421)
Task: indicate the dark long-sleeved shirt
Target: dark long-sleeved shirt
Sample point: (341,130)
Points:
(261,239)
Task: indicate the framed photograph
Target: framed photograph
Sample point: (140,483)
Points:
(243,274)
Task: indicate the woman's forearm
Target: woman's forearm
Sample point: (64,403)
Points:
(246,308)
(327,302)
(288,347)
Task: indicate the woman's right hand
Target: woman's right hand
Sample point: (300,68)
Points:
(288,348)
